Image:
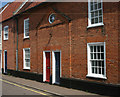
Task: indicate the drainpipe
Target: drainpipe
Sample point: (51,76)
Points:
(17,47)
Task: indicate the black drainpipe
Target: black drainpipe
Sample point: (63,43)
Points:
(17,46)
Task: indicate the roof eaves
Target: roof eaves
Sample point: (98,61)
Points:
(4,8)
(23,12)
(20,7)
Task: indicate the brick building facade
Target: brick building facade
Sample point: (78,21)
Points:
(64,45)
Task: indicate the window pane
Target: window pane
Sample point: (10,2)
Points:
(27,60)
(27,50)
(103,71)
(27,64)
(94,55)
(6,36)
(93,70)
(96,13)
(91,1)
(99,63)
(99,70)
(95,6)
(100,19)
(92,63)
(96,70)
(94,48)
(102,49)
(91,7)
(92,21)
(102,55)
(100,12)
(27,56)
(91,48)
(92,14)
(27,22)
(99,5)
(91,55)
(98,55)
(96,20)
(95,63)
(27,33)
(98,48)
(6,30)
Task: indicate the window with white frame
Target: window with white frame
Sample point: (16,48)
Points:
(6,32)
(96,60)
(95,12)
(26,58)
(26,28)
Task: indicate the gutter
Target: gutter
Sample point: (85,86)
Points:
(17,46)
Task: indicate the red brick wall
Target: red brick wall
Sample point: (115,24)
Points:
(9,45)
(71,38)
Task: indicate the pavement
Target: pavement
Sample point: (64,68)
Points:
(44,87)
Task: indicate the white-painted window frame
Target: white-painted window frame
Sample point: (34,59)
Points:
(24,65)
(6,32)
(25,28)
(89,16)
(90,74)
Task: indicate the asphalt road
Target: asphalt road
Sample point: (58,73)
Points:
(19,87)
(10,88)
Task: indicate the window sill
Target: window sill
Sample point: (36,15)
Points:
(5,39)
(95,25)
(96,76)
(26,68)
(26,38)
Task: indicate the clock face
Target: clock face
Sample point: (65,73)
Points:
(51,18)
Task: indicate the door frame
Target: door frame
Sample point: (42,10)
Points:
(4,60)
(54,67)
(44,65)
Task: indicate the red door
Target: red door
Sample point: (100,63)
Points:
(47,66)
